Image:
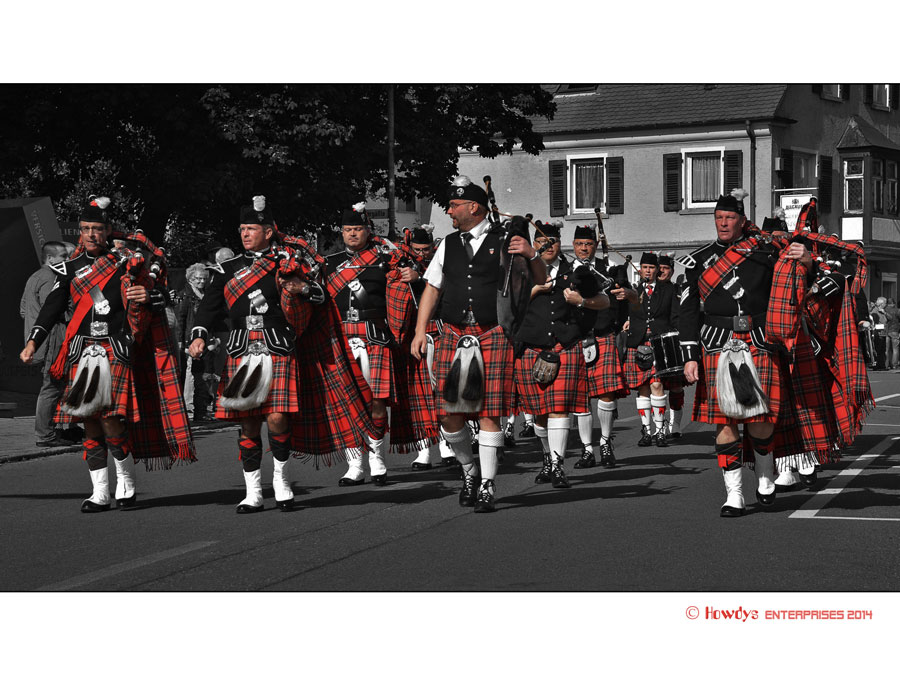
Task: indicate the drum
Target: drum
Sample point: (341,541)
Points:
(667,354)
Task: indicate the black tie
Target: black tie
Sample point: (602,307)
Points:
(467,242)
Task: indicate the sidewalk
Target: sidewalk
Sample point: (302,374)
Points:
(17,430)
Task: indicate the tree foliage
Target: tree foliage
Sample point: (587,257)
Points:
(183,158)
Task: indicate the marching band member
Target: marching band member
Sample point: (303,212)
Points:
(739,382)
(474,357)
(261,382)
(605,375)
(674,385)
(550,370)
(122,379)
(655,313)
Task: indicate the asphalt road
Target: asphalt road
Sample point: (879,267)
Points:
(650,524)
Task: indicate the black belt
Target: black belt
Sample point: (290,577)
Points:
(739,324)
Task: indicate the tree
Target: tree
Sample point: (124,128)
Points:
(188,156)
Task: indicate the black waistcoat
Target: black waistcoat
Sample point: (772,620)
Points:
(471,283)
(550,319)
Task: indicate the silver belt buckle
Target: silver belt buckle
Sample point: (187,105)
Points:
(99,329)
(257,347)
(741,324)
(353,314)
(255,322)
(470,318)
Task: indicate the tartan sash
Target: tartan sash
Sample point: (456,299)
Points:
(102,271)
(715,273)
(237,286)
(339,279)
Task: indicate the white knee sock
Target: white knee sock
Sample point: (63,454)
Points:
(605,411)
(585,429)
(529,418)
(541,433)
(461,444)
(643,408)
(659,403)
(489,442)
(558,436)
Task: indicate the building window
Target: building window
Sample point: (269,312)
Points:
(832,91)
(406,205)
(853,185)
(881,96)
(878,185)
(588,184)
(890,187)
(704,178)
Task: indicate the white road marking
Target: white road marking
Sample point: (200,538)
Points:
(112,570)
(821,498)
(873,424)
(885,398)
(626,419)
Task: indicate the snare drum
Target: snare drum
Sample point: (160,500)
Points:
(667,354)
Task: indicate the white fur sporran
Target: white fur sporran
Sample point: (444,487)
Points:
(738,388)
(91,390)
(361,354)
(250,385)
(463,390)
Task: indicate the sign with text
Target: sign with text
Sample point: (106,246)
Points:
(792,205)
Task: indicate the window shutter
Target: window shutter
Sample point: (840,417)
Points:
(615,183)
(845,92)
(824,192)
(558,192)
(787,173)
(895,94)
(672,182)
(869,93)
(734,170)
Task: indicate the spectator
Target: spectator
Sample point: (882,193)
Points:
(37,288)
(880,318)
(197,395)
(892,328)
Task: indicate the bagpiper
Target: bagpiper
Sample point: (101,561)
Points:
(116,356)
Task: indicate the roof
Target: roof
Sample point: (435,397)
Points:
(861,134)
(640,106)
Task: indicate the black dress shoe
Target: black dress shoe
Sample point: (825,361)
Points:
(349,482)
(87,506)
(509,439)
(285,506)
(587,461)
(558,477)
(449,461)
(380,480)
(731,512)
(485,503)
(421,466)
(126,502)
(765,501)
(468,494)
(660,439)
(246,508)
(527,431)
(544,474)
(646,439)
(54,443)
(607,458)
(810,479)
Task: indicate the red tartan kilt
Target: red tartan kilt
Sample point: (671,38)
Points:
(124,395)
(811,407)
(381,380)
(283,394)
(606,375)
(566,394)
(421,401)
(634,376)
(497,353)
(705,408)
